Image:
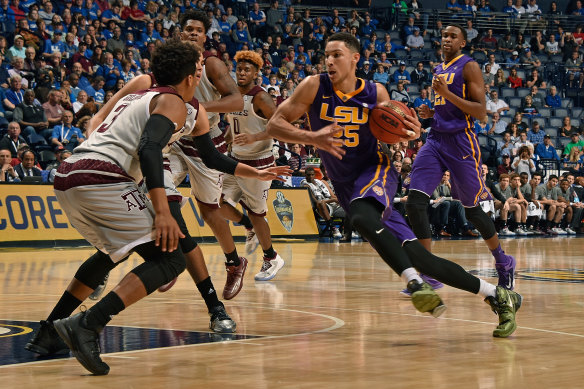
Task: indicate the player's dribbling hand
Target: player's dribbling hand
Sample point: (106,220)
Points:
(414,124)
(166,232)
(274,173)
(325,139)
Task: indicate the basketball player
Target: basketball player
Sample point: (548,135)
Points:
(452,145)
(252,146)
(218,93)
(97,189)
(337,105)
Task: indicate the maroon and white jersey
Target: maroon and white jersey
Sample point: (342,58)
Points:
(248,121)
(205,92)
(118,137)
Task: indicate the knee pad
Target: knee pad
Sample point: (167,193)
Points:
(159,267)
(94,269)
(481,221)
(417,210)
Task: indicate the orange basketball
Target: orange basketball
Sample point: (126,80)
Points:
(386,121)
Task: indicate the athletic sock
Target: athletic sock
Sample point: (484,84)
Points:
(270,253)
(232,259)
(410,274)
(246,222)
(499,254)
(65,307)
(101,313)
(487,289)
(208,293)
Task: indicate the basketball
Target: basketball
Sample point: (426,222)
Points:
(386,121)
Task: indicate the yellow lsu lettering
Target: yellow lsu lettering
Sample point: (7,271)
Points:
(449,78)
(343,114)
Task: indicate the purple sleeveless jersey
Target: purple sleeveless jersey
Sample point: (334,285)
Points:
(364,171)
(447,117)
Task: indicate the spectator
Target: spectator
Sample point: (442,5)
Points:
(401,74)
(400,94)
(415,41)
(66,135)
(499,80)
(96,89)
(297,161)
(444,206)
(274,18)
(505,167)
(523,163)
(482,126)
(116,41)
(518,121)
(498,126)
(522,141)
(421,100)
(571,160)
(514,80)
(53,108)
(324,200)
(535,80)
(496,105)
(418,143)
(548,195)
(30,115)
(553,99)
(380,75)
(365,72)
(17,50)
(574,207)
(513,59)
(18,70)
(537,98)
(13,96)
(7,172)
(546,150)
(506,44)
(420,75)
(12,140)
(109,71)
(27,167)
(489,42)
(552,46)
(55,44)
(240,35)
(535,135)
(509,200)
(575,141)
(494,65)
(574,70)
(488,77)
(528,109)
(567,129)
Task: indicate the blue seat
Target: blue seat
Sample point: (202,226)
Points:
(561,112)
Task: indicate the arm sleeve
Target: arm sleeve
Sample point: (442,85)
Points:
(211,157)
(155,136)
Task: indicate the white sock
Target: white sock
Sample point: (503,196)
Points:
(487,289)
(410,274)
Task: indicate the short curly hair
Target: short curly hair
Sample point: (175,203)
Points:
(250,56)
(173,61)
(191,14)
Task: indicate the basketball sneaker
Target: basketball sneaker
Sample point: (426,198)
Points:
(270,268)
(167,287)
(425,299)
(234,281)
(506,303)
(46,341)
(100,289)
(506,272)
(221,322)
(251,241)
(506,232)
(435,284)
(83,342)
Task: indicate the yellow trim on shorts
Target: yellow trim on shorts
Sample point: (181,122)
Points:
(469,136)
(385,178)
(376,174)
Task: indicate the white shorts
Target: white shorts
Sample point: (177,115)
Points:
(206,184)
(114,218)
(251,192)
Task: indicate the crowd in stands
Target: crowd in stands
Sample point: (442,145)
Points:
(61,60)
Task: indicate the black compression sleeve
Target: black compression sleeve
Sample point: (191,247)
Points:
(211,157)
(155,136)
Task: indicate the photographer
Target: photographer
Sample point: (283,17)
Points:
(65,135)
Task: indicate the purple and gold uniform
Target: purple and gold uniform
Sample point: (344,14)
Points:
(364,170)
(452,144)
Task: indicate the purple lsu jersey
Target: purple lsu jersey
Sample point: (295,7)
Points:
(448,118)
(351,111)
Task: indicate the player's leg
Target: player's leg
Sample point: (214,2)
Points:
(232,190)
(81,331)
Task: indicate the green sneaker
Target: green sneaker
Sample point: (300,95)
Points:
(506,303)
(425,299)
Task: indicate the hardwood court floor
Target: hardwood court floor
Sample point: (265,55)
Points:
(332,318)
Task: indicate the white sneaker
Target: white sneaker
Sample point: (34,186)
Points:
(570,231)
(270,268)
(520,231)
(355,235)
(336,233)
(251,241)
(559,231)
(506,231)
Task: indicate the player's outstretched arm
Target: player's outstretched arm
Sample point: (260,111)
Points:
(475,105)
(266,107)
(231,99)
(280,126)
(137,83)
(167,111)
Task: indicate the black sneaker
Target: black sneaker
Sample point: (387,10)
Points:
(47,342)
(84,343)
(221,322)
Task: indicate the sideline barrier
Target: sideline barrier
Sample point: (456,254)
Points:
(30,215)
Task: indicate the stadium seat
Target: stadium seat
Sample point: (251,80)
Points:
(555,122)
(507,92)
(551,131)
(522,92)
(544,111)
(560,112)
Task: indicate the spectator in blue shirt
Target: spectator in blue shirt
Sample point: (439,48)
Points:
(402,74)
(422,100)
(380,75)
(553,99)
(546,150)
(54,45)
(535,135)
(482,126)
(150,35)
(65,135)
(109,71)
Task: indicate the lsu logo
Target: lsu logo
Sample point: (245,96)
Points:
(353,115)
(378,190)
(449,78)
(283,208)
(484,196)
